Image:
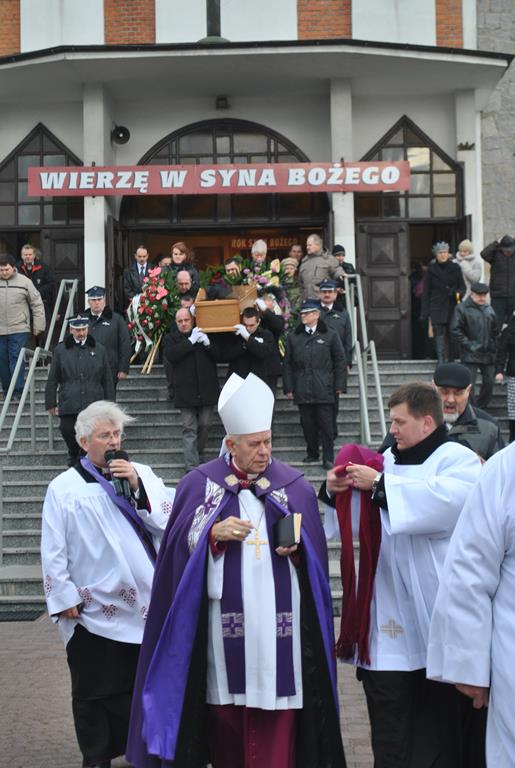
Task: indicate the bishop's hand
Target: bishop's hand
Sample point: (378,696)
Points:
(232,529)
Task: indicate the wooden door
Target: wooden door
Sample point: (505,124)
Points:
(383,261)
(117,258)
(63,251)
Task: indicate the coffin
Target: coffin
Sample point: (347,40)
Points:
(223,314)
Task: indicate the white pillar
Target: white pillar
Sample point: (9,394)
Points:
(97,149)
(341,146)
(468,132)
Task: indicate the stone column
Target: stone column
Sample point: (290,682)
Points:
(341,146)
(97,123)
(468,134)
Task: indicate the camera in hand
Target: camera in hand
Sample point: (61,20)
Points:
(120,484)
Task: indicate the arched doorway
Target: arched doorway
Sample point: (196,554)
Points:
(219,225)
(53,225)
(395,232)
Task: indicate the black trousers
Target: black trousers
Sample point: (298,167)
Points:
(102,675)
(482,399)
(317,422)
(503,306)
(67,427)
(418,723)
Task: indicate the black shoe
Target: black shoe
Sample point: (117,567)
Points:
(327,464)
(310,459)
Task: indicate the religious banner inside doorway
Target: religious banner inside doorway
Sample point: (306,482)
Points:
(218,179)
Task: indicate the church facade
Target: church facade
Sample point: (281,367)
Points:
(141,82)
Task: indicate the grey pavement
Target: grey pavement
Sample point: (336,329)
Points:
(36,726)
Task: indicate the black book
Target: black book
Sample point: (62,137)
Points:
(287,530)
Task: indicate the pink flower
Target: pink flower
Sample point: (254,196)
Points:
(154,272)
(161,293)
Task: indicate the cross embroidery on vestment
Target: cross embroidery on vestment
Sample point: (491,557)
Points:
(233,625)
(392,629)
(284,624)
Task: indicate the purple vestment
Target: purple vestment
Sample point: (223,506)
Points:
(179,583)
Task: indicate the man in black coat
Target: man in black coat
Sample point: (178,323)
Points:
(474,328)
(41,276)
(109,329)
(192,355)
(501,256)
(313,375)
(78,376)
(134,275)
(252,349)
(444,287)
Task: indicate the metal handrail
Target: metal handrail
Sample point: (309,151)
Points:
(363,350)
(35,355)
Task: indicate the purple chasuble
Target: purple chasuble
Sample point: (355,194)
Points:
(179,586)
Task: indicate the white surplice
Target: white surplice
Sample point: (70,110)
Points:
(92,556)
(472,638)
(259,609)
(424,503)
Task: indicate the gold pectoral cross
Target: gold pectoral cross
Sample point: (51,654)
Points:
(256,542)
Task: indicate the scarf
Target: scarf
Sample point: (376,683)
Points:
(355,614)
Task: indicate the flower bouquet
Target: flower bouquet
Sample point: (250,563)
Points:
(151,314)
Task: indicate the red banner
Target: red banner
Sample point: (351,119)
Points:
(217,179)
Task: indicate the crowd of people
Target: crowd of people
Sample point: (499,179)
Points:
(198,621)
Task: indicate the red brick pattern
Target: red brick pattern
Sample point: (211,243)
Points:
(449,23)
(129,22)
(319,19)
(9,27)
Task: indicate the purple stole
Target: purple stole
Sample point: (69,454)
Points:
(233,618)
(125,508)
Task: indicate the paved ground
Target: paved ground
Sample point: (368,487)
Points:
(36,728)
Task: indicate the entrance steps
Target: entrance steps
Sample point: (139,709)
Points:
(155,439)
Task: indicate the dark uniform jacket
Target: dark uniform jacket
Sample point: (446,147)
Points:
(339,320)
(81,374)
(258,355)
(502,270)
(193,369)
(441,284)
(475,329)
(131,279)
(314,365)
(42,279)
(475,429)
(505,360)
(110,330)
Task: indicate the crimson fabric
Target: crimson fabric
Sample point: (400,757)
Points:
(355,614)
(244,737)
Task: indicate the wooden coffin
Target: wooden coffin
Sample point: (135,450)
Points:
(223,314)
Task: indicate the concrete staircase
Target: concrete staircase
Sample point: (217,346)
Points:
(154,439)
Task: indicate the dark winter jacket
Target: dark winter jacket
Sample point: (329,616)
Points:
(505,360)
(475,328)
(110,330)
(442,284)
(42,279)
(81,374)
(314,365)
(273,323)
(339,321)
(259,354)
(193,370)
(502,270)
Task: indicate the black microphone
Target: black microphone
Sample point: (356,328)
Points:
(120,484)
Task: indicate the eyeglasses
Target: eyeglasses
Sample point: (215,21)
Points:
(117,434)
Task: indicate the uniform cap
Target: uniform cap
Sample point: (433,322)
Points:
(80,321)
(96,292)
(309,305)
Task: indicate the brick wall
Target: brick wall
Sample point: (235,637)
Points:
(449,23)
(9,27)
(129,21)
(318,19)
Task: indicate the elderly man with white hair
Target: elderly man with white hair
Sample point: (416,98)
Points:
(102,524)
(229,674)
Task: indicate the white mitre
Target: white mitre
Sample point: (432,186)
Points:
(246,405)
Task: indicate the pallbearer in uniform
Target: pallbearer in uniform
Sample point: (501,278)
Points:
(229,674)
(101,528)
